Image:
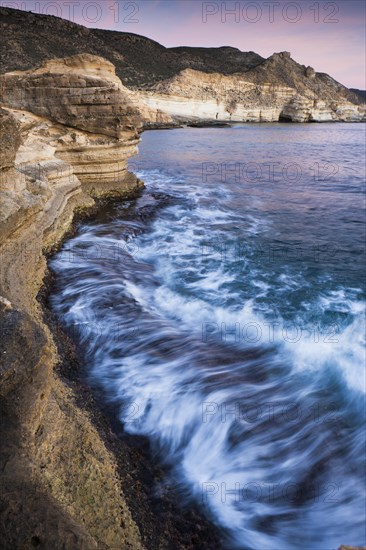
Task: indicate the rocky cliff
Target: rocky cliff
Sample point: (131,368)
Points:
(67,131)
(77,127)
(279,89)
(60,486)
(68,127)
(175,85)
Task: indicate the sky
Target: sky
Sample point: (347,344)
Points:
(329,36)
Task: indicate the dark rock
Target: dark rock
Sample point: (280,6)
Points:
(10,139)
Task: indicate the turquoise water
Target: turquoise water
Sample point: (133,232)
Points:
(223,313)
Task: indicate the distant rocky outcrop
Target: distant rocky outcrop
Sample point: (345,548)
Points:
(278,90)
(184,85)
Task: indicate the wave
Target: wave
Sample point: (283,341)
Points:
(249,387)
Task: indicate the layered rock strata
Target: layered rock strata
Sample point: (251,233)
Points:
(67,129)
(251,97)
(60,487)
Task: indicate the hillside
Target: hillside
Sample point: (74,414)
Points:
(29,39)
(361,93)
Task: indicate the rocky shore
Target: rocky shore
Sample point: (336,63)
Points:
(59,480)
(70,479)
(67,480)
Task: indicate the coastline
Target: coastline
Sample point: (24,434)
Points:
(71,478)
(80,424)
(162,521)
(50,448)
(142,442)
(65,476)
(53,373)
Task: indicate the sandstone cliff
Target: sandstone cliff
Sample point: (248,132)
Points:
(60,488)
(279,89)
(78,127)
(175,85)
(67,131)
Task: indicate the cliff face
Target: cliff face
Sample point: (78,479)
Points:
(67,481)
(173,85)
(278,89)
(60,487)
(68,127)
(56,124)
(82,92)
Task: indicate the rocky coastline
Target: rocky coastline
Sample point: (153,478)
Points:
(178,86)
(55,467)
(69,479)
(62,482)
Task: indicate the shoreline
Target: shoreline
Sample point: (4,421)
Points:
(230,124)
(161,519)
(68,481)
(69,478)
(158,518)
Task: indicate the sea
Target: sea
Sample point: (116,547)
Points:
(222,313)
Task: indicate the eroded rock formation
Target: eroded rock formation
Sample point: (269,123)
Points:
(258,95)
(60,488)
(174,85)
(67,129)
(67,482)
(81,91)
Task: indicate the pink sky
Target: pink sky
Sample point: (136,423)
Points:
(329,36)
